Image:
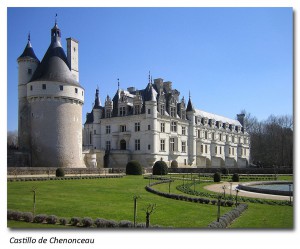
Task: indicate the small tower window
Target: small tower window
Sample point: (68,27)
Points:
(44,86)
(76,90)
(31,88)
(61,87)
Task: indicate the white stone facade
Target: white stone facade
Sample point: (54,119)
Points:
(153,124)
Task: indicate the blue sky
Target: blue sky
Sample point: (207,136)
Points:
(228,58)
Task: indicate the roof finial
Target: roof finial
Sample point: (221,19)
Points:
(55,18)
(118,84)
(29,36)
(189,94)
(149,76)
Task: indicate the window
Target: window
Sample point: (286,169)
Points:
(149,111)
(183,130)
(220,150)
(172,144)
(162,145)
(44,86)
(220,137)
(213,136)
(183,146)
(216,150)
(107,145)
(108,114)
(61,87)
(137,109)
(29,71)
(95,132)
(107,129)
(122,111)
(162,109)
(136,127)
(172,111)
(122,128)
(31,88)
(137,144)
(174,126)
(205,148)
(82,93)
(162,127)
(201,148)
(149,127)
(184,161)
(149,146)
(199,133)
(76,90)
(205,134)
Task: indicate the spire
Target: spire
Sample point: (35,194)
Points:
(190,107)
(118,84)
(28,51)
(97,99)
(55,32)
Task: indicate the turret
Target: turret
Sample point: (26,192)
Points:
(190,114)
(27,63)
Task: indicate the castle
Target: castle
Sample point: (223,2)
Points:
(155,124)
(144,125)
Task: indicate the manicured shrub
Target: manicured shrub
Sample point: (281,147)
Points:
(14,215)
(51,219)
(225,171)
(217,177)
(87,222)
(235,177)
(134,168)
(174,164)
(160,168)
(75,221)
(99,222)
(125,223)
(40,218)
(28,217)
(63,221)
(60,172)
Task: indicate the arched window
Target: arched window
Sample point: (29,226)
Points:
(122,144)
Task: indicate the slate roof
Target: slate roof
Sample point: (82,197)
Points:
(28,52)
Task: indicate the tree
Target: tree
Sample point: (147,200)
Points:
(12,139)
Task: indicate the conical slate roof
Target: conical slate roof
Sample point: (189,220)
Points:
(54,66)
(28,52)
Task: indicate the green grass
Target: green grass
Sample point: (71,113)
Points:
(113,199)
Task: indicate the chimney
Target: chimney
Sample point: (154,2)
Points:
(72,56)
(241,119)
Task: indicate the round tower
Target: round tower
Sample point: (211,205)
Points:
(55,98)
(27,64)
(190,114)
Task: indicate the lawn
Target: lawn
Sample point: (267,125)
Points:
(112,198)
(107,198)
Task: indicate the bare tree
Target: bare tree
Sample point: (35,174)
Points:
(150,209)
(12,139)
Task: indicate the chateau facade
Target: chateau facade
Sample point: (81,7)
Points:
(155,124)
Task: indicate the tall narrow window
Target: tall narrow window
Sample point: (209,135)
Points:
(205,148)
(76,90)
(221,150)
(162,127)
(183,130)
(61,87)
(162,145)
(137,126)
(44,86)
(201,148)
(107,146)
(205,134)
(216,150)
(174,126)
(137,144)
(183,146)
(107,129)
(122,128)
(172,144)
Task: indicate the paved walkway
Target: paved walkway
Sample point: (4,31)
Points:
(219,189)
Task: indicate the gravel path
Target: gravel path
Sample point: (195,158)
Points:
(219,189)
